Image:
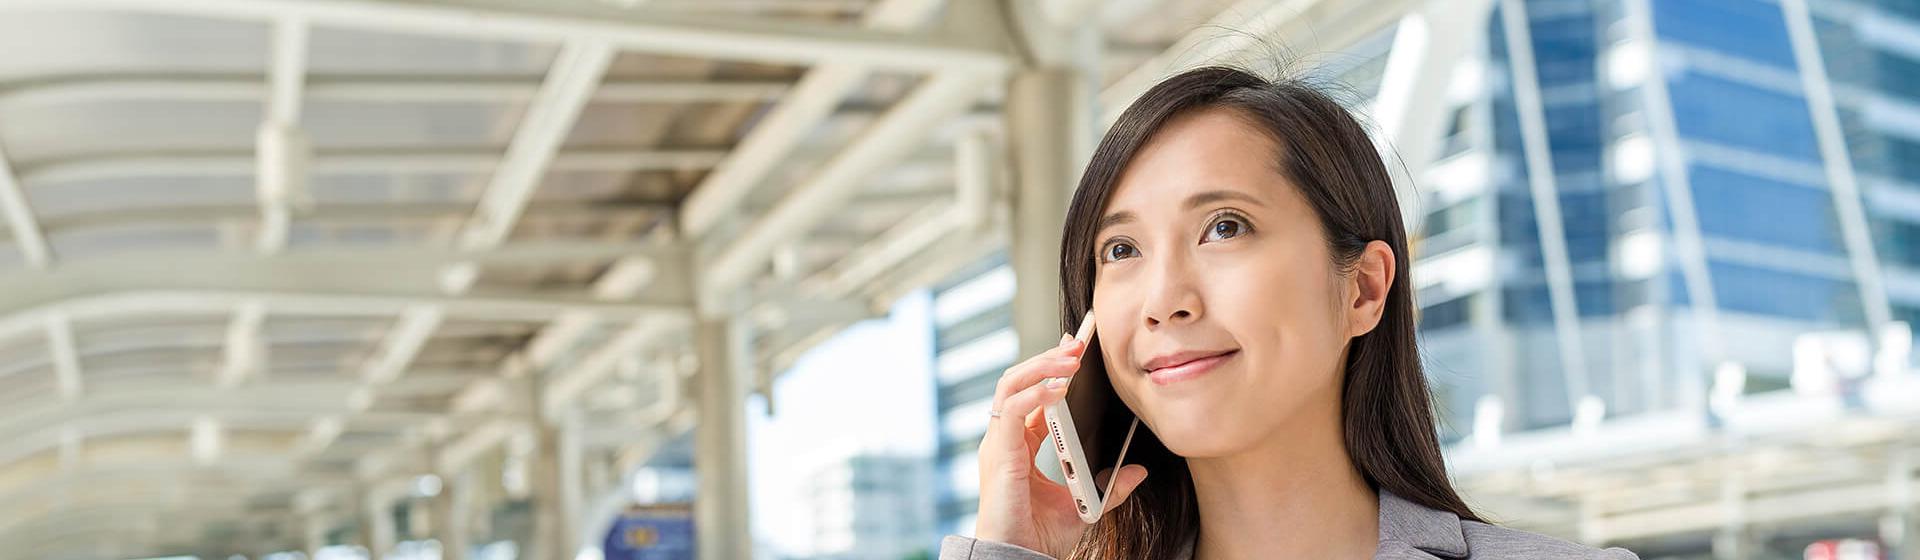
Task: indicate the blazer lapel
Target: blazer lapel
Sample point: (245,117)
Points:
(1410,530)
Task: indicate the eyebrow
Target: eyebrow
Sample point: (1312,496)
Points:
(1195,201)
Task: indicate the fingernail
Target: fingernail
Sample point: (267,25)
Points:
(1056,382)
(1086,327)
(1065,337)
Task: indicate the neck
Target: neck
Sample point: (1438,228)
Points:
(1296,494)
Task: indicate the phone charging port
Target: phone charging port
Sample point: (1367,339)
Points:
(1067,466)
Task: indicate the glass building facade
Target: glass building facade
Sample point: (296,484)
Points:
(1683,157)
(974,342)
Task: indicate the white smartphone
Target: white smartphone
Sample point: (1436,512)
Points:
(1084,426)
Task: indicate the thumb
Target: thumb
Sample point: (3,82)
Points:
(1131,476)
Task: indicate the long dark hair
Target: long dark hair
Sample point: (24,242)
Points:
(1385,403)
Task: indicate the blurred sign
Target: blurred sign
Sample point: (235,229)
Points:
(653,532)
(1843,549)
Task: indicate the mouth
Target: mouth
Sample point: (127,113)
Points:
(1185,365)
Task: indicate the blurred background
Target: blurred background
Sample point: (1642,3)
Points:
(631,279)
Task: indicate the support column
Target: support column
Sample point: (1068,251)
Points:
(552,522)
(315,531)
(720,441)
(376,524)
(451,514)
(1733,541)
(1897,524)
(1040,108)
(570,486)
(1051,122)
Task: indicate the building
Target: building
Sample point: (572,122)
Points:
(974,342)
(870,506)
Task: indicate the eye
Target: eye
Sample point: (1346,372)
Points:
(1225,227)
(1117,250)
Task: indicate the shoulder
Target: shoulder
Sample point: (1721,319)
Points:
(1495,542)
(955,547)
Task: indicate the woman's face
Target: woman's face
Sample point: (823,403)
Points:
(1205,249)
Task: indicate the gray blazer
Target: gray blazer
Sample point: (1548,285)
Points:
(1407,531)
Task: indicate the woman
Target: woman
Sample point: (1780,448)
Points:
(1247,229)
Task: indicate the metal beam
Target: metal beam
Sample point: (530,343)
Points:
(1773,509)
(1543,186)
(66,358)
(116,416)
(1854,224)
(394,213)
(244,354)
(653,31)
(576,72)
(1676,184)
(969,211)
(282,148)
(231,163)
(1246,26)
(590,370)
(1411,108)
(789,122)
(20,220)
(409,334)
(569,85)
(495,89)
(403,259)
(894,134)
(152,283)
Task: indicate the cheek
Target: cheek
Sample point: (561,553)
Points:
(1282,312)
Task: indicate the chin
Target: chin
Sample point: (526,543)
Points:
(1196,434)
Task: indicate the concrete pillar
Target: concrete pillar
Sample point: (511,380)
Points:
(1734,539)
(1040,105)
(1050,121)
(376,524)
(1897,525)
(572,454)
(720,441)
(315,532)
(552,529)
(451,513)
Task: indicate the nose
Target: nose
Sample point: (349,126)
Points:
(1173,296)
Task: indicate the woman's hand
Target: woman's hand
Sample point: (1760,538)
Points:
(1018,504)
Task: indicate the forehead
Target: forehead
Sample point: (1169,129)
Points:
(1206,150)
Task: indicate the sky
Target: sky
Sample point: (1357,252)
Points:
(869,388)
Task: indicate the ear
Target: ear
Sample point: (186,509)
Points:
(1367,288)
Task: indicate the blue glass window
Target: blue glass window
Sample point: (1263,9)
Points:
(1745,207)
(1445,314)
(1744,28)
(1743,116)
(1564,49)
(1780,293)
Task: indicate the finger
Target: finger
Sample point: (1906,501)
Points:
(1130,478)
(1052,363)
(1024,404)
(1036,427)
(1071,347)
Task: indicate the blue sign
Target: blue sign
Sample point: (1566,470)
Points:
(653,532)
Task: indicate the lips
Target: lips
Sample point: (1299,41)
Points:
(1174,368)
(1177,358)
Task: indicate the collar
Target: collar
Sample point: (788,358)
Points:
(1405,527)
(1429,530)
